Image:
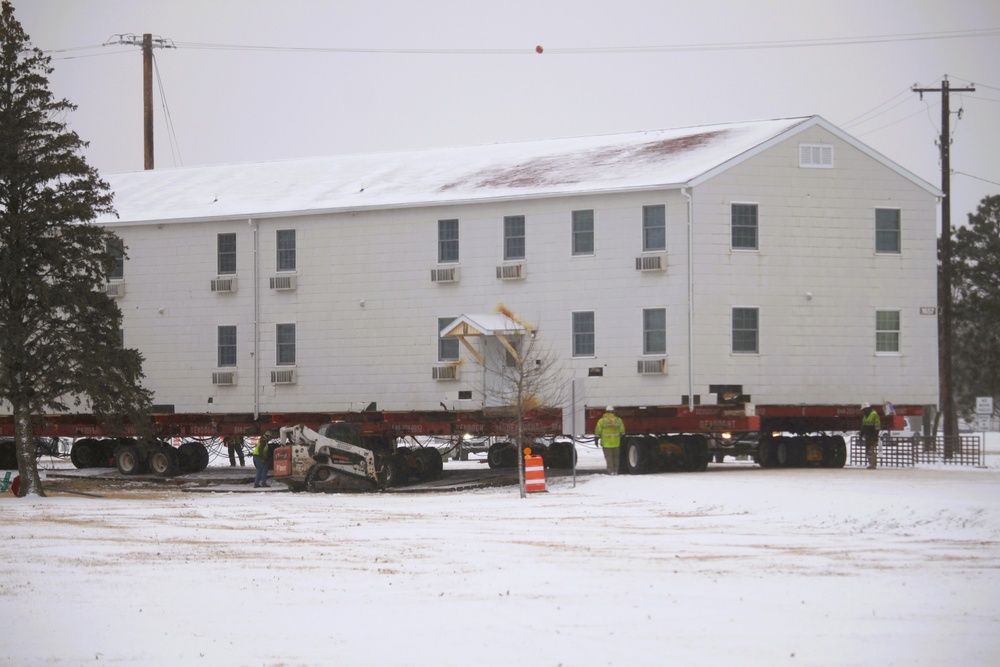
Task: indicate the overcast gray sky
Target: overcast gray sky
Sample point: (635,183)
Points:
(324,77)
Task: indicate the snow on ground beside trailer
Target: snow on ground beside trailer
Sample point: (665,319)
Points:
(738,565)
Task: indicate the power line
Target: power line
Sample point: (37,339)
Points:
(720,46)
(984,180)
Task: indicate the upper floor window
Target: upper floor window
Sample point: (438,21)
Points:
(285,344)
(447,241)
(513,237)
(447,347)
(583,334)
(746,330)
(117,249)
(227,346)
(887,230)
(816,156)
(286,250)
(654,331)
(583,232)
(226,253)
(744,226)
(887,331)
(654,227)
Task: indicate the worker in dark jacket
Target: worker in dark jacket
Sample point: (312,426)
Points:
(870,427)
(260,451)
(610,429)
(234,443)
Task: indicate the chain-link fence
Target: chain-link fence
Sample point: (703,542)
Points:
(908,451)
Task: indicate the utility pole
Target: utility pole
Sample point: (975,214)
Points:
(148,42)
(946,395)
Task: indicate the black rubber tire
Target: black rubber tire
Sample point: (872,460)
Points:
(782,452)
(8,455)
(837,448)
(129,460)
(696,452)
(636,456)
(188,457)
(433,463)
(498,456)
(163,461)
(765,456)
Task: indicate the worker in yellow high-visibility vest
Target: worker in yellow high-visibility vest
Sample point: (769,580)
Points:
(871,424)
(610,429)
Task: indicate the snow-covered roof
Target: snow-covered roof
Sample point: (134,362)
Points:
(488,324)
(553,167)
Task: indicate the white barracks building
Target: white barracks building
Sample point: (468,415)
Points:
(781,257)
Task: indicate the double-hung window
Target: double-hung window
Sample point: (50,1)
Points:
(654,331)
(654,228)
(513,237)
(227,346)
(744,226)
(285,344)
(887,331)
(117,249)
(447,347)
(583,334)
(583,232)
(887,231)
(746,330)
(286,250)
(447,241)
(226,253)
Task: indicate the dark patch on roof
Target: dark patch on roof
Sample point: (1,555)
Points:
(567,168)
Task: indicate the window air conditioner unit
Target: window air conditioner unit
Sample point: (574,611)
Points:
(652,366)
(283,376)
(447,274)
(224,284)
(650,263)
(224,378)
(115,290)
(511,271)
(283,282)
(449,372)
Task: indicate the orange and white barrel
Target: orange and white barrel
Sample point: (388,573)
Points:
(534,474)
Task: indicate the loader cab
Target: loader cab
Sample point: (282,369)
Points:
(351,434)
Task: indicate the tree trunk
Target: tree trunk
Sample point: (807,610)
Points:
(27,464)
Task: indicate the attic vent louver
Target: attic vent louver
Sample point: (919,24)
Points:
(816,156)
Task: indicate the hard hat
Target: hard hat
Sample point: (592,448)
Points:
(611,408)
(865,405)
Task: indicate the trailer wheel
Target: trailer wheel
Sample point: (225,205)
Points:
(433,463)
(497,456)
(82,453)
(636,456)
(782,456)
(834,452)
(187,457)
(696,450)
(765,452)
(129,460)
(8,455)
(561,455)
(163,461)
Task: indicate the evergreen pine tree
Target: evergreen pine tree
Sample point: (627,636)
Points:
(976,315)
(60,335)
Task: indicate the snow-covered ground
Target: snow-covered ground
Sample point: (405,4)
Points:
(735,566)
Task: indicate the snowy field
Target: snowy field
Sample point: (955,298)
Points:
(736,566)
